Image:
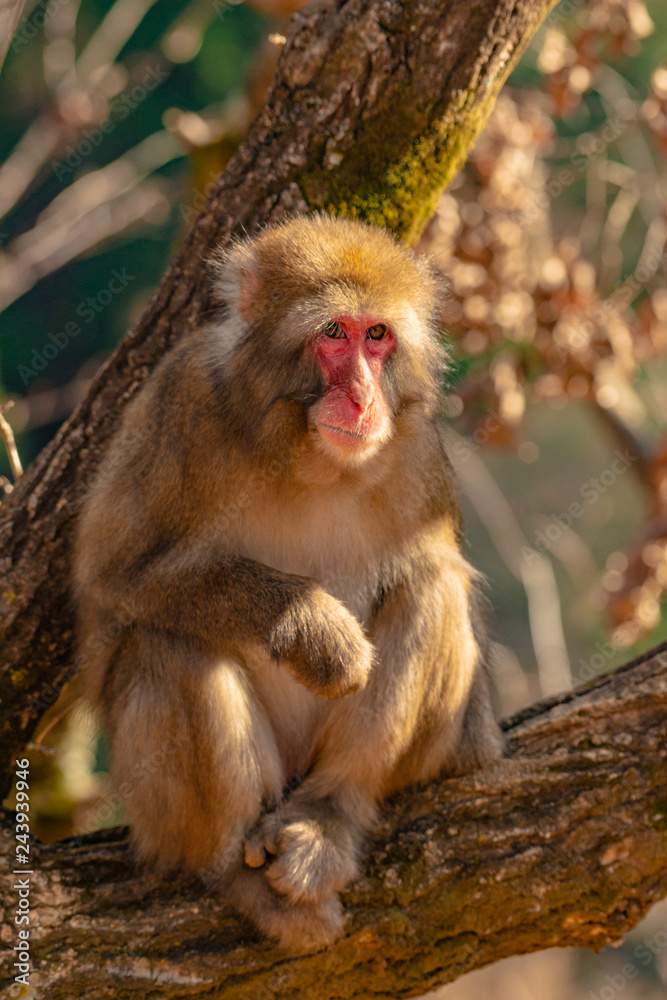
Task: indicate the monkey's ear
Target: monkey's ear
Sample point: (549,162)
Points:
(237,278)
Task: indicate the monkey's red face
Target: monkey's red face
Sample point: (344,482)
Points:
(353,417)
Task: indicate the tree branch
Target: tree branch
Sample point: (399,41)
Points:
(563,844)
(374,108)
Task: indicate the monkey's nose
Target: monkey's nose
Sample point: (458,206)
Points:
(361,394)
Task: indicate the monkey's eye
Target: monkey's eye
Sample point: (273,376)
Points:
(376,332)
(333,330)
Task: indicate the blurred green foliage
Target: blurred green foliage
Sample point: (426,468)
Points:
(216,73)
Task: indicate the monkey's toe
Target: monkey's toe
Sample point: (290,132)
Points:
(254,854)
(262,840)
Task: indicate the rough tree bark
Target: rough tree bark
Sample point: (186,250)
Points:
(374,108)
(565,843)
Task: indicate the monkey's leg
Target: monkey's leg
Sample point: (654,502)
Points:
(425,701)
(193,753)
(195,758)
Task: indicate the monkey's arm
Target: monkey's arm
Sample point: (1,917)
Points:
(231,602)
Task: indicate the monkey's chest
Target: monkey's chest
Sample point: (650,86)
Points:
(334,544)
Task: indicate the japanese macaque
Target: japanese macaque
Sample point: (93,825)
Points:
(276,534)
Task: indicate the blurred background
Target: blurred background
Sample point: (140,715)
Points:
(115,120)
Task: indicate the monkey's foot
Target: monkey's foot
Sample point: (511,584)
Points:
(297,927)
(305,927)
(312,865)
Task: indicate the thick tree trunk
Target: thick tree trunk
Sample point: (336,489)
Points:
(565,843)
(374,108)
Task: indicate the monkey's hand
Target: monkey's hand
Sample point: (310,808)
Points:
(324,645)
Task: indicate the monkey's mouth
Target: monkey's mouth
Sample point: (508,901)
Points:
(348,440)
(341,430)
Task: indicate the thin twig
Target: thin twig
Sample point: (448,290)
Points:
(29,155)
(7,435)
(117,27)
(44,135)
(534,572)
(37,744)
(84,214)
(59,53)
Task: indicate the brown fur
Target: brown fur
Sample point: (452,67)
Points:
(297,619)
